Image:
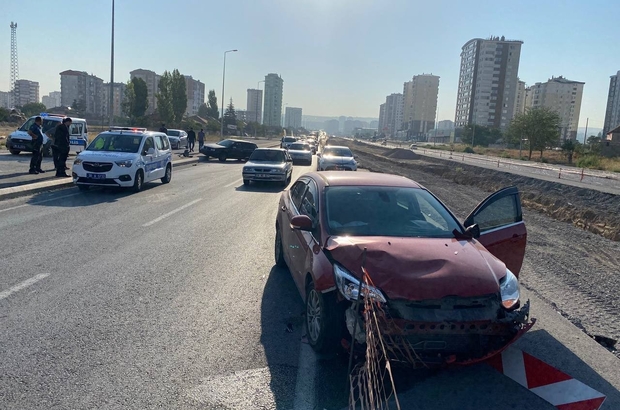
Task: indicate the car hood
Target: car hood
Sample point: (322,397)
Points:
(23,135)
(299,152)
(216,146)
(421,268)
(262,164)
(103,156)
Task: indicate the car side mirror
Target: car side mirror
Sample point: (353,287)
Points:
(318,154)
(151,151)
(473,231)
(301,222)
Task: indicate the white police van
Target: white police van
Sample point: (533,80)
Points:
(124,157)
(20,140)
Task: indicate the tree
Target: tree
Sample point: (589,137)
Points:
(33,108)
(482,136)
(540,126)
(136,100)
(212,106)
(203,111)
(5,114)
(178,89)
(230,116)
(569,147)
(164,98)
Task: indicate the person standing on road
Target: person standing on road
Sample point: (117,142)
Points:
(37,146)
(201,139)
(163,129)
(191,139)
(62,141)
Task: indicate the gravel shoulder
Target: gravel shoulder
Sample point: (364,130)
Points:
(575,270)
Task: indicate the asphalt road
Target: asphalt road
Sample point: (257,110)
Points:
(169,298)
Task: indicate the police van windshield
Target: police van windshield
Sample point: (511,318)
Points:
(116,143)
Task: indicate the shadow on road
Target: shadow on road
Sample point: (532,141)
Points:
(281,324)
(266,187)
(94,196)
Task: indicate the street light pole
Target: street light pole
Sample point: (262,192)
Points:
(111,91)
(257,104)
(223,80)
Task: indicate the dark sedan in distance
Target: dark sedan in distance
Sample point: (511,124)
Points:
(229,149)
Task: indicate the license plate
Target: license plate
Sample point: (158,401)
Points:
(19,146)
(95,176)
(261,175)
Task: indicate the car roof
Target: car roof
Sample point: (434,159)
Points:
(133,133)
(336,146)
(270,149)
(231,139)
(344,178)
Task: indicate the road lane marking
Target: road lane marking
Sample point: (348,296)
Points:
(233,183)
(28,282)
(306,375)
(39,202)
(164,216)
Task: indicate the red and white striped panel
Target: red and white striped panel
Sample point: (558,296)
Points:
(547,382)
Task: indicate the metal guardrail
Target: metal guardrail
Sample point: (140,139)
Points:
(585,175)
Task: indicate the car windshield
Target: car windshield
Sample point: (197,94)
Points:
(116,143)
(337,152)
(173,133)
(267,156)
(387,211)
(290,139)
(226,143)
(299,147)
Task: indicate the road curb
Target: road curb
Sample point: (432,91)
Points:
(55,184)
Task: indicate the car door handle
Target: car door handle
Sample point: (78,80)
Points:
(283,208)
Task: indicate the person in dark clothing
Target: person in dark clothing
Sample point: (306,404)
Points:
(191,139)
(163,129)
(201,139)
(60,149)
(37,146)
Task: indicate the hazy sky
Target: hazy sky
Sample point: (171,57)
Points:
(337,57)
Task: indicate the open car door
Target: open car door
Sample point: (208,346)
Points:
(502,230)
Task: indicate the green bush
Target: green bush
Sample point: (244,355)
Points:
(469,150)
(589,161)
(544,160)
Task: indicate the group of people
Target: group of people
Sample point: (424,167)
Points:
(60,147)
(191,137)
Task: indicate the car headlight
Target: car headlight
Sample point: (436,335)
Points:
(509,289)
(77,161)
(348,285)
(124,164)
(248,169)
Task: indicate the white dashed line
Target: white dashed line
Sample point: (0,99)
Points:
(164,216)
(28,282)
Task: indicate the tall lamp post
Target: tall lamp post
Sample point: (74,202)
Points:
(111,91)
(223,102)
(257,102)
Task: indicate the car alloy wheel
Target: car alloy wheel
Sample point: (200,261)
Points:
(313,315)
(138,180)
(322,325)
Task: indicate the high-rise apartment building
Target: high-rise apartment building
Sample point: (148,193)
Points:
(520,98)
(152,83)
(292,117)
(420,104)
(26,92)
(86,90)
(612,114)
(117,97)
(381,127)
(195,95)
(254,105)
(488,82)
(564,97)
(52,100)
(393,113)
(273,100)
(5,99)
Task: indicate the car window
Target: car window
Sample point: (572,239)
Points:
(159,143)
(49,125)
(27,125)
(148,144)
(226,143)
(297,192)
(387,211)
(309,205)
(76,128)
(165,142)
(501,212)
(174,133)
(337,152)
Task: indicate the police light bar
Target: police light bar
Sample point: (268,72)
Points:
(45,114)
(127,129)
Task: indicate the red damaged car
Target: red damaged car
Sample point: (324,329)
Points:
(449,289)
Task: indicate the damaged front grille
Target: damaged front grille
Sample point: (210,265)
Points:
(448,309)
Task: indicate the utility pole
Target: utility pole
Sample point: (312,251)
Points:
(111,90)
(223,80)
(585,136)
(257,105)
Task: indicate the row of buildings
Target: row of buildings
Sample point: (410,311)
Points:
(490,94)
(270,106)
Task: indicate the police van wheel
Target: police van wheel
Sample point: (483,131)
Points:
(138,181)
(168,175)
(14,152)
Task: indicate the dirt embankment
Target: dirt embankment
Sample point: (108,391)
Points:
(589,209)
